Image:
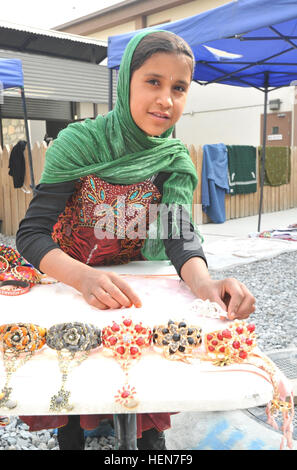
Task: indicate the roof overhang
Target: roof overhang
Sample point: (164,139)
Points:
(51,43)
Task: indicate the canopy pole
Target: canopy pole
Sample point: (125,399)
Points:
(262,171)
(28,138)
(110,90)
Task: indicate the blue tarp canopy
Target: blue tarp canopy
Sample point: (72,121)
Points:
(11,73)
(259,36)
(11,76)
(246,43)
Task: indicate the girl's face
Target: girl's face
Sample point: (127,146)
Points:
(158,92)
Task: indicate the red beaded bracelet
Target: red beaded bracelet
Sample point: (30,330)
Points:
(14,287)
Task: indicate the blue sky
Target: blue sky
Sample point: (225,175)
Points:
(41,14)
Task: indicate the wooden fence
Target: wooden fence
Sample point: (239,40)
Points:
(14,202)
(275,198)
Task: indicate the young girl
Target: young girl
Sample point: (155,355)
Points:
(124,160)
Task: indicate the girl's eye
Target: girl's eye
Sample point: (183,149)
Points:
(153,81)
(180,88)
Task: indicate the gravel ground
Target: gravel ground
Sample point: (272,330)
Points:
(272,282)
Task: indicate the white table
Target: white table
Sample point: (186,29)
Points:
(162,385)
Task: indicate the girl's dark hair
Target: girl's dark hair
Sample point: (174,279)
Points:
(160,41)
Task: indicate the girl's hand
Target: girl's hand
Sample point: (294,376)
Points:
(100,289)
(233,296)
(106,290)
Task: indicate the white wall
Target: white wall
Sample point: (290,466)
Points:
(222,113)
(86,110)
(37,131)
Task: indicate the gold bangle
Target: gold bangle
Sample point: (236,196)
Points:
(27,273)
(4,264)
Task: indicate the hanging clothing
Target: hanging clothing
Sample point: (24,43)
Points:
(214,181)
(277,166)
(17,165)
(242,169)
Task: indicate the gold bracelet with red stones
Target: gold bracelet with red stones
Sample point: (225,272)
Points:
(126,341)
(232,344)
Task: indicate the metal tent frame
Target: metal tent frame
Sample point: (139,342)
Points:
(258,39)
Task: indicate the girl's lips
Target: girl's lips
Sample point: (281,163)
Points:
(159,115)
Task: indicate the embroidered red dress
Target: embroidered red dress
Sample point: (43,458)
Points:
(104,224)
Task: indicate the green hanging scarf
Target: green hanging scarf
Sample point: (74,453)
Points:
(115,149)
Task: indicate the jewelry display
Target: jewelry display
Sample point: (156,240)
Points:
(177,339)
(73,343)
(236,344)
(126,342)
(14,267)
(18,342)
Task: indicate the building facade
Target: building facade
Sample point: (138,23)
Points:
(214,113)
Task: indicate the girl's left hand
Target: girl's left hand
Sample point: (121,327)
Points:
(232,295)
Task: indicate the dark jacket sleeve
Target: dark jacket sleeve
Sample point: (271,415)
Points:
(33,238)
(187,243)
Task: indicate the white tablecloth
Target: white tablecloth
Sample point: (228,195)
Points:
(162,385)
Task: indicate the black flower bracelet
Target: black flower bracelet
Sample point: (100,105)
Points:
(75,336)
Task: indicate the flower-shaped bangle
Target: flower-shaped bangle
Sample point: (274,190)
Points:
(22,337)
(177,339)
(126,339)
(74,336)
(71,341)
(231,344)
(18,342)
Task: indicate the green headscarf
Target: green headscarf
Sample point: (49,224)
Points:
(115,149)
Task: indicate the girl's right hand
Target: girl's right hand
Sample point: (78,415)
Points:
(106,290)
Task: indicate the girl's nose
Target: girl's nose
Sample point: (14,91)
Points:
(165,99)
